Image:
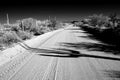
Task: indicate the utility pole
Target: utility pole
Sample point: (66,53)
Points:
(8,20)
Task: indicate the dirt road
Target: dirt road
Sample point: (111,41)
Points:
(61,55)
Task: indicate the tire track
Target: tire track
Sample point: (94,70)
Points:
(50,72)
(12,66)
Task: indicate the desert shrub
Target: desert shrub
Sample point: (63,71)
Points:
(15,28)
(113,19)
(98,20)
(36,30)
(45,29)
(59,25)
(28,24)
(24,35)
(1,43)
(110,34)
(8,38)
(1,33)
(104,29)
(1,40)
(52,24)
(25,29)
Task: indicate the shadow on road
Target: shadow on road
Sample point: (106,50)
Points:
(114,74)
(93,47)
(65,53)
(107,36)
(111,42)
(75,28)
(89,36)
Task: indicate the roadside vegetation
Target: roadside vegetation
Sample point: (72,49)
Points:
(103,28)
(25,29)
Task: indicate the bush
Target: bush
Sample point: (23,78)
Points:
(1,33)
(45,29)
(109,36)
(27,24)
(25,29)
(8,38)
(36,30)
(24,35)
(98,20)
(52,24)
(15,28)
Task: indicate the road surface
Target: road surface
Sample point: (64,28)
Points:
(61,55)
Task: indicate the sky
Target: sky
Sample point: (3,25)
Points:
(66,11)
